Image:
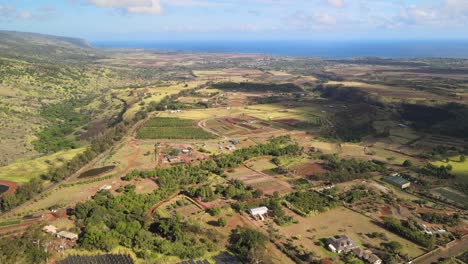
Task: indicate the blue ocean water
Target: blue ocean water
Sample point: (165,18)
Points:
(321,49)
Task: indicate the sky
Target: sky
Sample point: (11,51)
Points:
(317,20)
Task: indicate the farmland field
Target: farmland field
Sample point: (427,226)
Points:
(172,128)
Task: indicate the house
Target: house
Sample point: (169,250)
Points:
(50,229)
(373,259)
(341,243)
(67,235)
(231,147)
(398,181)
(367,255)
(259,212)
(186,151)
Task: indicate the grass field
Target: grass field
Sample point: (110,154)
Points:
(341,221)
(22,171)
(460,169)
(172,128)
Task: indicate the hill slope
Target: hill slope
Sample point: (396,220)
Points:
(32,46)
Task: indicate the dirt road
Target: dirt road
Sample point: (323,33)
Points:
(444,252)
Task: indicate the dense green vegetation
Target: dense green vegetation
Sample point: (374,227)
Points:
(409,230)
(98,145)
(172,128)
(309,201)
(357,193)
(435,218)
(449,119)
(108,221)
(441,172)
(26,248)
(248,244)
(342,170)
(177,176)
(63,121)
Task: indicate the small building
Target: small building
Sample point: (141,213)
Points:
(341,243)
(373,259)
(67,235)
(367,255)
(259,212)
(398,181)
(105,187)
(234,141)
(185,151)
(231,147)
(50,229)
(174,160)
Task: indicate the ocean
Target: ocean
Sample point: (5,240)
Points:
(320,49)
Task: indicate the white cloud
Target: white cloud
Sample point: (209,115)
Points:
(146,7)
(25,15)
(324,19)
(336,3)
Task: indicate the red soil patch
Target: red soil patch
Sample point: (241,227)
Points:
(386,210)
(12,186)
(307,169)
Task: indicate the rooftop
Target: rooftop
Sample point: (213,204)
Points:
(397,180)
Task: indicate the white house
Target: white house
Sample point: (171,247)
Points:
(50,229)
(259,212)
(67,235)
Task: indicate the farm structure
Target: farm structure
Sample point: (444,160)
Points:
(67,235)
(259,212)
(398,181)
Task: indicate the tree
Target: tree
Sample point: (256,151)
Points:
(257,193)
(214,211)
(407,163)
(222,222)
(462,158)
(393,246)
(248,244)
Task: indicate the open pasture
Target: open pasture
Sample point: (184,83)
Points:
(23,171)
(459,168)
(340,221)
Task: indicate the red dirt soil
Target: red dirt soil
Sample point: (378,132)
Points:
(12,186)
(307,169)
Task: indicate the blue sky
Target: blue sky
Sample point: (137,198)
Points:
(149,20)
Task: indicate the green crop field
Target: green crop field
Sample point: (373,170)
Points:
(172,128)
(168,122)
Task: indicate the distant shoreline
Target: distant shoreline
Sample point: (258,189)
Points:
(326,50)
